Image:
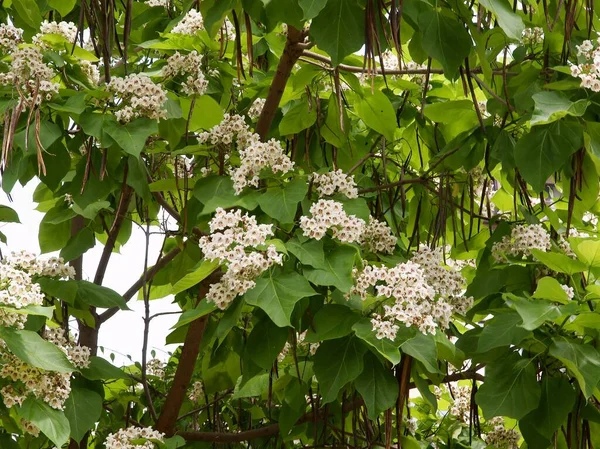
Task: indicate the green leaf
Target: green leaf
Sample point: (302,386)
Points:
(545,149)
(377,385)
(502,330)
(552,106)
(446,40)
(83,409)
(78,244)
(298,118)
(549,288)
(423,348)
(510,22)
(510,388)
(330,322)
(63,7)
(311,8)
(34,350)
(338,272)
(8,215)
(557,401)
(387,348)
(339,29)
(101,369)
(206,114)
(332,132)
(51,422)
(559,262)
(450,111)
(204,308)
(309,252)
(217,191)
(376,110)
(265,342)
(582,360)
(338,362)
(277,294)
(593,140)
(588,251)
(191,279)
(99,296)
(132,136)
(29,12)
(534,312)
(255,386)
(281,203)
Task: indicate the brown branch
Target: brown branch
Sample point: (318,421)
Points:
(393,184)
(126,195)
(161,262)
(185,369)
(291,53)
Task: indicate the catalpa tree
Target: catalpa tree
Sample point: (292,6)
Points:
(379,222)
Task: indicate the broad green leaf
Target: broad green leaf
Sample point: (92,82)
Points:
(557,400)
(387,348)
(204,308)
(588,251)
(204,270)
(281,203)
(445,40)
(510,22)
(265,342)
(63,7)
(78,244)
(99,296)
(206,114)
(333,132)
(510,388)
(549,288)
(132,136)
(376,110)
(32,309)
(298,118)
(377,385)
(559,262)
(552,106)
(545,149)
(277,294)
(330,322)
(29,12)
(33,349)
(255,386)
(338,272)
(83,409)
(338,362)
(101,369)
(217,191)
(51,422)
(502,330)
(8,215)
(311,8)
(309,252)
(534,312)
(423,348)
(582,360)
(593,138)
(339,29)
(450,111)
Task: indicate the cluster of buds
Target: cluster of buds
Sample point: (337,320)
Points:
(500,437)
(235,240)
(256,108)
(187,66)
(197,392)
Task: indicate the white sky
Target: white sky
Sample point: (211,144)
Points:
(123,333)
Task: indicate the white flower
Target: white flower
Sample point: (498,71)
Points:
(337,181)
(123,439)
(137,96)
(191,23)
(189,66)
(532,36)
(522,240)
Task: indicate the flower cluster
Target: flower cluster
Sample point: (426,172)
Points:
(256,108)
(197,392)
(335,182)
(77,355)
(589,70)
(51,387)
(501,437)
(329,214)
(591,218)
(30,76)
(532,36)
(191,23)
(128,438)
(461,403)
(68,30)
(232,129)
(36,266)
(90,71)
(159,3)
(30,427)
(156,367)
(309,348)
(521,241)
(189,67)
(377,237)
(17,291)
(137,97)
(10,38)
(233,240)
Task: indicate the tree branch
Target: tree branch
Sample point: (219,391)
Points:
(291,53)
